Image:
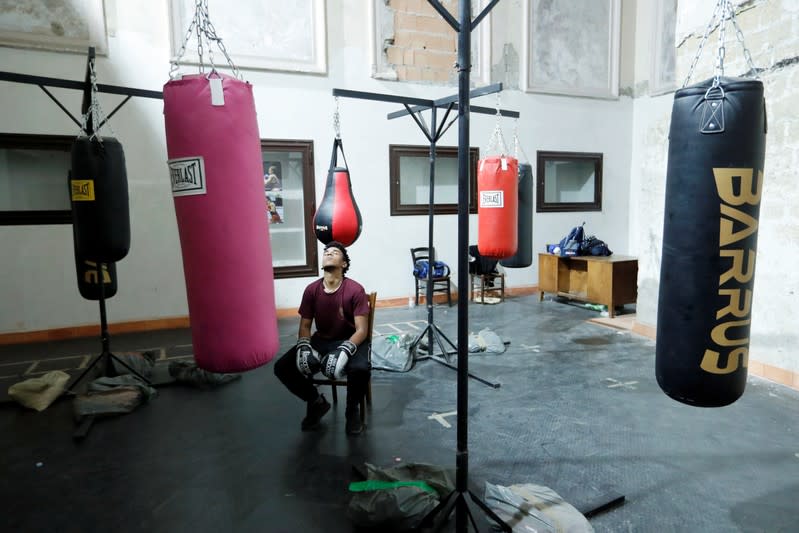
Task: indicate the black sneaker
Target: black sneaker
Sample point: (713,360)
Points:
(354,425)
(314,411)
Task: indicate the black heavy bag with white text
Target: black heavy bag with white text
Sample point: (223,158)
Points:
(99,195)
(524,250)
(713,188)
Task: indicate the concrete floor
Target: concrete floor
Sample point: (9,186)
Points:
(578,410)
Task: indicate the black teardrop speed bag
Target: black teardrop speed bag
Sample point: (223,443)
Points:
(714,182)
(99,195)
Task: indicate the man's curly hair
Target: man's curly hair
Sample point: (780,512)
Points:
(343,249)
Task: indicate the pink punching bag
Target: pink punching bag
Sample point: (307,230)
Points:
(216,172)
(497,206)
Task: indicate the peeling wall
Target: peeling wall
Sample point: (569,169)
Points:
(38,290)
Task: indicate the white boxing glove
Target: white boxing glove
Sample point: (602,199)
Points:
(334,363)
(307,358)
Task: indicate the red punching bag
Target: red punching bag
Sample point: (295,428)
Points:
(216,169)
(498,206)
(338,217)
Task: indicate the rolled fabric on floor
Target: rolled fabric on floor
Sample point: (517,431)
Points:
(524,250)
(99,196)
(216,169)
(498,206)
(338,218)
(713,188)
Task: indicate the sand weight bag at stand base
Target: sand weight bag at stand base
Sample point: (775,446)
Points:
(99,196)
(217,183)
(524,250)
(713,187)
(497,206)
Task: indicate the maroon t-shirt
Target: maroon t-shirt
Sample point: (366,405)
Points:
(334,313)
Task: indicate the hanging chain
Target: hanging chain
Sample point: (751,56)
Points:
(721,51)
(724,9)
(517,146)
(702,42)
(201,23)
(337,121)
(96,112)
(747,55)
(497,140)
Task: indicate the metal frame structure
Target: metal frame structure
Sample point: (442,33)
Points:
(86,87)
(414,107)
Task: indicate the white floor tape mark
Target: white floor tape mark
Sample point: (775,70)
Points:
(626,384)
(440,418)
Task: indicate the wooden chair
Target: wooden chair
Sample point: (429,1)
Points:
(483,273)
(440,283)
(486,284)
(334,383)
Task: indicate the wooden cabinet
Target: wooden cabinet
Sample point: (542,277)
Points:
(610,281)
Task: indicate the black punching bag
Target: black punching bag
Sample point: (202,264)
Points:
(99,194)
(524,252)
(713,187)
(338,217)
(89,279)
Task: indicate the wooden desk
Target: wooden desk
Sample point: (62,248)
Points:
(611,280)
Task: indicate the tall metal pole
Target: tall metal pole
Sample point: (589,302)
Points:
(464,68)
(430,207)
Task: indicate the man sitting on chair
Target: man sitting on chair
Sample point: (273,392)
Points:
(340,308)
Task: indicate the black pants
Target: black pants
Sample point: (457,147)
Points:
(358,372)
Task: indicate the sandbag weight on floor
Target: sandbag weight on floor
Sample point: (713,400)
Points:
(497,206)
(216,170)
(524,225)
(99,197)
(713,188)
(338,218)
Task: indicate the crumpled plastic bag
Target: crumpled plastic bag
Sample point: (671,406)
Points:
(39,393)
(486,341)
(392,352)
(536,509)
(398,498)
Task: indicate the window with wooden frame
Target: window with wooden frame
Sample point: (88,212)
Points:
(409,171)
(290,203)
(34,185)
(568,181)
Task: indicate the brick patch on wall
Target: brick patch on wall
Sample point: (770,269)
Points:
(424,46)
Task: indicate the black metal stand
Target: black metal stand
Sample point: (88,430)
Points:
(105,358)
(460,498)
(414,108)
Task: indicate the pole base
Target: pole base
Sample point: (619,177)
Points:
(457,500)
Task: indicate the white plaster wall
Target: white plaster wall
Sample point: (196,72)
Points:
(771,32)
(37,288)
